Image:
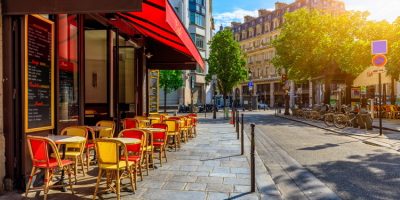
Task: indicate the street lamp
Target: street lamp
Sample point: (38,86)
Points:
(251,91)
(214,82)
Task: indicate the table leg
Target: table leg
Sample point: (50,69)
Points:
(61,182)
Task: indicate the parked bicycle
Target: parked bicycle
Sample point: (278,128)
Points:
(344,120)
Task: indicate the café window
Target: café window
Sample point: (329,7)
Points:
(67,39)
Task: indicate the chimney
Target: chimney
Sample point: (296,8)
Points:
(263,12)
(279,5)
(248,18)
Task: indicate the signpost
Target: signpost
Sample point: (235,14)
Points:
(379,48)
(251,85)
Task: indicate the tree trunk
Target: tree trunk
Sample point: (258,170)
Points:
(165,100)
(327,92)
(349,83)
(224,96)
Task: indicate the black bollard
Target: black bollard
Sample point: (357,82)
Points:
(252,161)
(237,123)
(242,137)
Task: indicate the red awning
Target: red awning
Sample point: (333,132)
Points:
(159,21)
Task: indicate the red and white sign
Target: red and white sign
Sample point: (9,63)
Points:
(379,60)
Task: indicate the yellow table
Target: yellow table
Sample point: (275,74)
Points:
(127,140)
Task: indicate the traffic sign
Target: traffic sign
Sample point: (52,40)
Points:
(379,47)
(379,60)
(250,84)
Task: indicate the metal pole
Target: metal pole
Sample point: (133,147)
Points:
(380,105)
(251,100)
(214,108)
(252,160)
(242,136)
(237,123)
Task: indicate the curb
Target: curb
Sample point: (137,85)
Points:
(364,139)
(264,182)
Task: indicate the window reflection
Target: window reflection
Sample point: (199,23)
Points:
(68,106)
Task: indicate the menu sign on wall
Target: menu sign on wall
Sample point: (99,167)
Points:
(39,74)
(154,78)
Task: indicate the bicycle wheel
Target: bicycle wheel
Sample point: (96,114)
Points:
(340,121)
(328,119)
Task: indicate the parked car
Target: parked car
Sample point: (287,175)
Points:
(262,106)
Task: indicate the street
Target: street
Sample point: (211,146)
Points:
(311,163)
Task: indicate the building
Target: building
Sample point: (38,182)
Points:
(79,63)
(255,35)
(197,17)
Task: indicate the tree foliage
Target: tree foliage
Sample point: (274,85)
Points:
(393,65)
(313,43)
(227,61)
(170,80)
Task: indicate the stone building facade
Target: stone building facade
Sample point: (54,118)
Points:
(255,36)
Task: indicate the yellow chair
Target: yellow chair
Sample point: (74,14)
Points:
(189,127)
(184,128)
(106,133)
(75,151)
(156,118)
(173,131)
(142,121)
(111,165)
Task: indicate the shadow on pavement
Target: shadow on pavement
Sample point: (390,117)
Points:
(239,195)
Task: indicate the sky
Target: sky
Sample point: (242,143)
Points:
(226,11)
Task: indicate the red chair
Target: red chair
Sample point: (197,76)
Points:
(160,140)
(130,123)
(39,151)
(135,151)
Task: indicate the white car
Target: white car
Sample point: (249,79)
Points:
(262,106)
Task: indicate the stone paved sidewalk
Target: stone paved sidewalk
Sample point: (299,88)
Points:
(207,167)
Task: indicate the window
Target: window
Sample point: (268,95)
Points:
(197,19)
(251,32)
(258,29)
(68,107)
(199,40)
(197,12)
(244,35)
(267,27)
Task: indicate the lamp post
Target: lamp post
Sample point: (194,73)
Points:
(251,90)
(214,80)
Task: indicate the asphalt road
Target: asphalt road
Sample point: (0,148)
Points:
(302,160)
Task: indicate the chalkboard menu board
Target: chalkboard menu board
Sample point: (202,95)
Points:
(154,78)
(39,73)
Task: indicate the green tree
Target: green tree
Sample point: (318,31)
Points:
(391,32)
(170,80)
(315,43)
(227,62)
